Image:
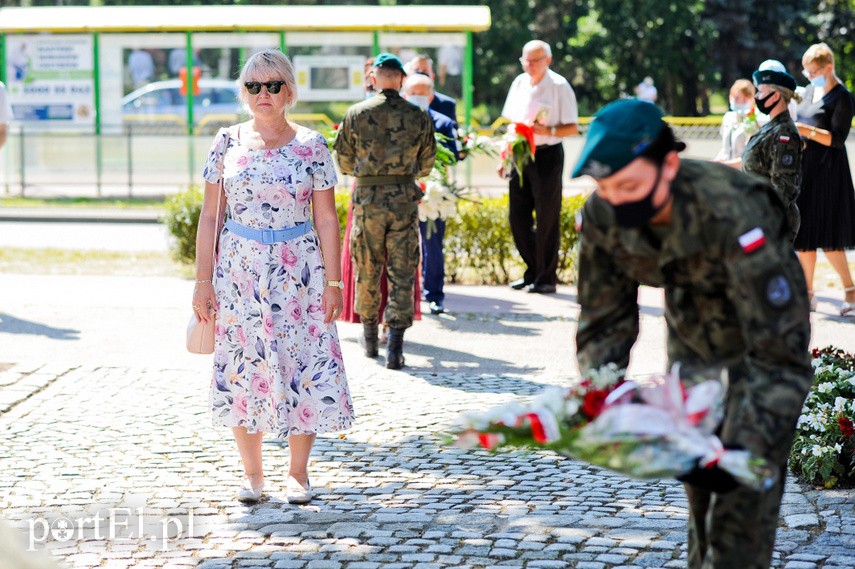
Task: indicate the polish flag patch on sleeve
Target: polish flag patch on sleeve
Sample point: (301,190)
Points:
(783,139)
(752,240)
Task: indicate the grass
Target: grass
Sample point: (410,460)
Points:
(112,203)
(72,262)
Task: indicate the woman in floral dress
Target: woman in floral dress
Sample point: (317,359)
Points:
(276,285)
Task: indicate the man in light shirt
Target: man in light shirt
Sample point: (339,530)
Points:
(541,98)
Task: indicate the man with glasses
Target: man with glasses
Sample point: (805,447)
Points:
(386,143)
(545,100)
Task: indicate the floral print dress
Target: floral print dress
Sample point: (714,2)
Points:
(277,366)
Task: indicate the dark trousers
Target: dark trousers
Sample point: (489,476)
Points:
(538,194)
(433,261)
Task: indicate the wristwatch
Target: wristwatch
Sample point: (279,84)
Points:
(337,284)
(552,131)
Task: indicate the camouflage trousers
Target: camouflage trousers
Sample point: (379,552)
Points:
(385,235)
(737,528)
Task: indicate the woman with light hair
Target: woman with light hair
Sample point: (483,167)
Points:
(739,123)
(827,196)
(273,284)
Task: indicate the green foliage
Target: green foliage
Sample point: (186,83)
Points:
(342,208)
(823,448)
(181,217)
(479,247)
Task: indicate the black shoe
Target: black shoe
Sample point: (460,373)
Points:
(395,348)
(541,288)
(436,307)
(368,340)
(519,284)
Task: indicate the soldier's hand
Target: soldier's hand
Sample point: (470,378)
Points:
(713,479)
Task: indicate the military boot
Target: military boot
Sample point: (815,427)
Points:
(369,338)
(395,348)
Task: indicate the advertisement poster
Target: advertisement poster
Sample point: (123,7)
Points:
(50,79)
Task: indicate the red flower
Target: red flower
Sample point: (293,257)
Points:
(592,403)
(527,132)
(335,126)
(846,426)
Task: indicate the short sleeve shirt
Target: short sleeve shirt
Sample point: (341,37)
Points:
(553,98)
(5,106)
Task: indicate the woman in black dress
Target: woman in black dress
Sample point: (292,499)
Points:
(827,196)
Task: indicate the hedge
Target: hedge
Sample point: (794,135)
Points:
(478,245)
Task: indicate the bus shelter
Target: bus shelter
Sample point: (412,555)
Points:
(105,87)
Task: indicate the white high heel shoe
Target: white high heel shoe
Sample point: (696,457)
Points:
(847,308)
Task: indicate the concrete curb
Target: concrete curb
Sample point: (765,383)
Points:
(80,215)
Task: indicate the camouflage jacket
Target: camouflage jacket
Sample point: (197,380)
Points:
(735,295)
(775,153)
(386,136)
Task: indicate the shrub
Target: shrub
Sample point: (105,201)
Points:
(181,218)
(478,244)
(823,448)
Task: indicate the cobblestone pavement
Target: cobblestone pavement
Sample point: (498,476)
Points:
(117,431)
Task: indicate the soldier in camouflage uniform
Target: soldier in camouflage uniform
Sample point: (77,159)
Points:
(386,143)
(716,240)
(775,151)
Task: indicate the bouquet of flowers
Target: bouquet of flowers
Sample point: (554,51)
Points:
(824,447)
(518,149)
(470,142)
(648,428)
(748,123)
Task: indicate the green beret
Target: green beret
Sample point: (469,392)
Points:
(389,61)
(619,133)
(772,77)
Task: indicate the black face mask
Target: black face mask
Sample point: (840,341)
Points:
(763,106)
(637,213)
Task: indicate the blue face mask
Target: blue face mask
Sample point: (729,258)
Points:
(741,109)
(818,81)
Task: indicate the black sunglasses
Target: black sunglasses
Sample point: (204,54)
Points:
(254,87)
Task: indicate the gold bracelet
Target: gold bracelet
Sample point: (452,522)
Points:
(202,281)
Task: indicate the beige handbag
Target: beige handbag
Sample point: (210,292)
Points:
(200,335)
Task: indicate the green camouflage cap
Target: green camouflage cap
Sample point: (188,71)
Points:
(619,133)
(389,61)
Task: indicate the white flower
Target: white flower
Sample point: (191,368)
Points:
(825,387)
(816,450)
(838,448)
(840,405)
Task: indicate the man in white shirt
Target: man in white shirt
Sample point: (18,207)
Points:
(5,114)
(545,100)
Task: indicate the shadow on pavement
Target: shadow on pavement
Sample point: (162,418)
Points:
(12,325)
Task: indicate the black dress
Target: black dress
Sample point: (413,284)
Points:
(827,197)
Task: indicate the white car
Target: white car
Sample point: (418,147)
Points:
(161,102)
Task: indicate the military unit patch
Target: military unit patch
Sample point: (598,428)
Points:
(752,240)
(787,159)
(778,291)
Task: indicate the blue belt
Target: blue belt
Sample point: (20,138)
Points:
(268,236)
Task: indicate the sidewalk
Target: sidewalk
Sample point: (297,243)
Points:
(102,409)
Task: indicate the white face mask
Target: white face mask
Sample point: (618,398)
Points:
(422,101)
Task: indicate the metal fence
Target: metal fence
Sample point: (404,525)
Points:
(139,160)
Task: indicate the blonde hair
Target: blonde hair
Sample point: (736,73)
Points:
(742,87)
(818,53)
(271,65)
(786,94)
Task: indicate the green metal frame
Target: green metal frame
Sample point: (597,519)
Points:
(3,58)
(468,77)
(96,86)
